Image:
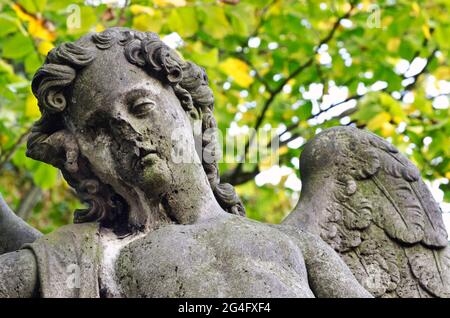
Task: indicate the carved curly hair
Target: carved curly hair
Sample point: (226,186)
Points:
(50,142)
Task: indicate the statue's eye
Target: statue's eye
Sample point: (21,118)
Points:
(142,106)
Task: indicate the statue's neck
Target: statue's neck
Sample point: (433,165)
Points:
(180,206)
(187,206)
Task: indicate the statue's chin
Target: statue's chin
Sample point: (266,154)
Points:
(155,177)
(150,160)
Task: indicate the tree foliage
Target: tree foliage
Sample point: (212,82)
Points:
(297,66)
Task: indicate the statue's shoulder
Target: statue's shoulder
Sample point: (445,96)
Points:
(68,261)
(71,233)
(229,256)
(235,234)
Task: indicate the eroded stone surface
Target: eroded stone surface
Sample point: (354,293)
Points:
(370,204)
(221,257)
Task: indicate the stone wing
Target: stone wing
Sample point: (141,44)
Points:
(370,204)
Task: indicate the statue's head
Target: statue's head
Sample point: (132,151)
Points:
(116,107)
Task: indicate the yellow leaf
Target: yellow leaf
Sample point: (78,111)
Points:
(426,31)
(44,47)
(144,22)
(248,117)
(387,130)
(5,67)
(366,4)
(65,184)
(31,107)
(168,3)
(398,119)
(139,9)
(288,114)
(282,150)
(416,129)
(415,8)
(393,44)
(317,57)
(230,108)
(392,60)
(275,8)
(442,73)
(99,27)
(238,70)
(272,159)
(22,15)
(266,163)
(184,21)
(386,21)
(324,24)
(216,23)
(38,30)
(447,175)
(378,121)
(36,26)
(3,139)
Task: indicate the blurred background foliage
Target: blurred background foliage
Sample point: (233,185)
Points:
(296,66)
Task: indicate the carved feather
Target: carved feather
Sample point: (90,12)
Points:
(378,214)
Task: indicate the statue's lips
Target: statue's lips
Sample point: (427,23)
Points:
(145,152)
(147,155)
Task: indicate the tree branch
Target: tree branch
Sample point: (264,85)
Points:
(28,203)
(244,177)
(416,77)
(277,90)
(10,152)
(121,18)
(260,23)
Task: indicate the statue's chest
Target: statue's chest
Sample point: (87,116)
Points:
(200,262)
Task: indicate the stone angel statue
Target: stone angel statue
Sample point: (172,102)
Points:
(131,127)
(117,106)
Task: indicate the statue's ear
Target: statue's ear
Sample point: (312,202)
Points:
(55,100)
(59,149)
(48,85)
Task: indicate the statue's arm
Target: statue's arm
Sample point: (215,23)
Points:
(18,275)
(328,275)
(14,232)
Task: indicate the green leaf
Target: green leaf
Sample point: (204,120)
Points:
(17,47)
(206,59)
(33,6)
(8,24)
(32,63)
(305,110)
(183,21)
(145,22)
(45,176)
(216,23)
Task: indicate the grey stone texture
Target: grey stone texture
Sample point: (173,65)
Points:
(131,127)
(368,202)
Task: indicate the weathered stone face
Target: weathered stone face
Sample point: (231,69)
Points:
(129,125)
(119,113)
